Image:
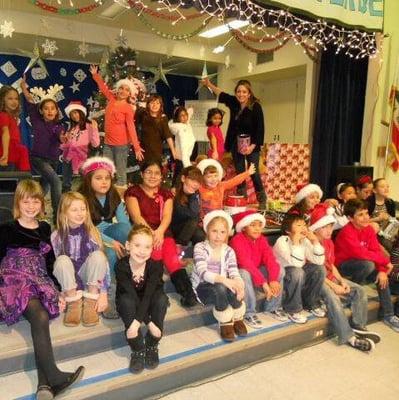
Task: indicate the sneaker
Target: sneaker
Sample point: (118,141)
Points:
(363,333)
(298,318)
(318,312)
(362,344)
(253,321)
(392,322)
(279,315)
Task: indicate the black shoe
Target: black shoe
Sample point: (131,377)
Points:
(137,361)
(44,392)
(151,356)
(363,333)
(261,197)
(189,301)
(363,344)
(76,376)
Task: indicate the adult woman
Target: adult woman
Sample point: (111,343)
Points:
(246,119)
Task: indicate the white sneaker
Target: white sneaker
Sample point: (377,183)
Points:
(253,321)
(279,315)
(318,312)
(298,318)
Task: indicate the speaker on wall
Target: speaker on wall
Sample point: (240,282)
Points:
(351,173)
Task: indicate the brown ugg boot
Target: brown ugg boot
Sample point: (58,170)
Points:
(227,332)
(225,319)
(90,315)
(239,327)
(73,313)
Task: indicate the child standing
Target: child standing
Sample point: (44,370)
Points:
(216,278)
(11,149)
(306,198)
(26,289)
(302,256)
(258,267)
(120,132)
(140,298)
(80,135)
(81,267)
(214,121)
(338,292)
(212,191)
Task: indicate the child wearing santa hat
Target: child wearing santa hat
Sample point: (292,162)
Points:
(306,198)
(258,267)
(338,292)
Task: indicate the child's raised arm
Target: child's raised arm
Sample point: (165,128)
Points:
(233,182)
(25,91)
(100,83)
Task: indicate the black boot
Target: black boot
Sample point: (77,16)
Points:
(261,197)
(151,351)
(182,284)
(138,354)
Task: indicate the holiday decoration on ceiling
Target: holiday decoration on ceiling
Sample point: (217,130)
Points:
(7,29)
(203,76)
(49,47)
(159,73)
(83,49)
(34,59)
(71,10)
(121,40)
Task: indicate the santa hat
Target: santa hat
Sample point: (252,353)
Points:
(130,84)
(204,164)
(243,219)
(321,215)
(75,105)
(305,190)
(217,213)
(95,163)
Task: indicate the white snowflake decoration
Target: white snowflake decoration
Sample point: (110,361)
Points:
(80,75)
(121,39)
(17,85)
(250,67)
(49,47)
(83,49)
(75,87)
(227,61)
(59,97)
(63,72)
(8,69)
(7,29)
(38,73)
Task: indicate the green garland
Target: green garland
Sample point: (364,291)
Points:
(64,11)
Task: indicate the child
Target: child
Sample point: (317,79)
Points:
(12,151)
(184,139)
(338,292)
(216,278)
(186,208)
(302,256)
(48,133)
(120,132)
(153,125)
(26,289)
(150,205)
(359,257)
(364,187)
(306,198)
(253,252)
(345,192)
(214,121)
(78,138)
(81,267)
(140,298)
(212,191)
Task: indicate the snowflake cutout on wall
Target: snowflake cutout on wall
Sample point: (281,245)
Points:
(49,47)
(63,72)
(7,29)
(83,49)
(8,69)
(80,75)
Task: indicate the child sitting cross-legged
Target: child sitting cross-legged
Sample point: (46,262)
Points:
(258,267)
(302,257)
(338,292)
(216,278)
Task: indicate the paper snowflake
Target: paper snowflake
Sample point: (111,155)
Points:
(227,61)
(8,69)
(63,72)
(75,87)
(121,40)
(59,97)
(17,85)
(250,67)
(38,74)
(83,49)
(7,29)
(49,47)
(80,75)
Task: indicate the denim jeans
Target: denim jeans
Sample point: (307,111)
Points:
(47,169)
(302,287)
(218,295)
(356,299)
(67,174)
(362,271)
(118,154)
(250,293)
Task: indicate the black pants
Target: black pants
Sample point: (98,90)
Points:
(239,164)
(188,232)
(176,175)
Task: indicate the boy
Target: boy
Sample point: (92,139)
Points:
(303,280)
(337,291)
(360,257)
(212,191)
(254,252)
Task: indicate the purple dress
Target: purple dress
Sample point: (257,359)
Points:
(26,259)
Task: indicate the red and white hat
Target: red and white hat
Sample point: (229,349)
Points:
(95,163)
(204,164)
(130,84)
(321,215)
(304,190)
(75,105)
(243,219)
(217,213)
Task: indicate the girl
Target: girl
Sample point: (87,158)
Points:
(11,149)
(180,127)
(140,298)
(81,267)
(345,192)
(215,135)
(78,138)
(48,133)
(364,187)
(105,205)
(216,277)
(307,197)
(26,289)
(151,205)
(120,132)
(154,129)
(186,208)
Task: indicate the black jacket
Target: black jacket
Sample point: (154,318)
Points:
(389,204)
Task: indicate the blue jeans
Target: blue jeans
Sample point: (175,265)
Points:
(218,295)
(118,154)
(362,271)
(356,299)
(47,169)
(67,174)
(250,293)
(302,287)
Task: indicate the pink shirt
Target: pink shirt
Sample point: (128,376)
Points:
(217,133)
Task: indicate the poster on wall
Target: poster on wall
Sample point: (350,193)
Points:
(198,120)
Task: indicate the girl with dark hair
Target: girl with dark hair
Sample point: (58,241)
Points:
(215,135)
(364,187)
(345,192)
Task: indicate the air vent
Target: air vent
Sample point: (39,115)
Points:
(264,58)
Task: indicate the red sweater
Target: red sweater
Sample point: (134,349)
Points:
(252,254)
(360,244)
